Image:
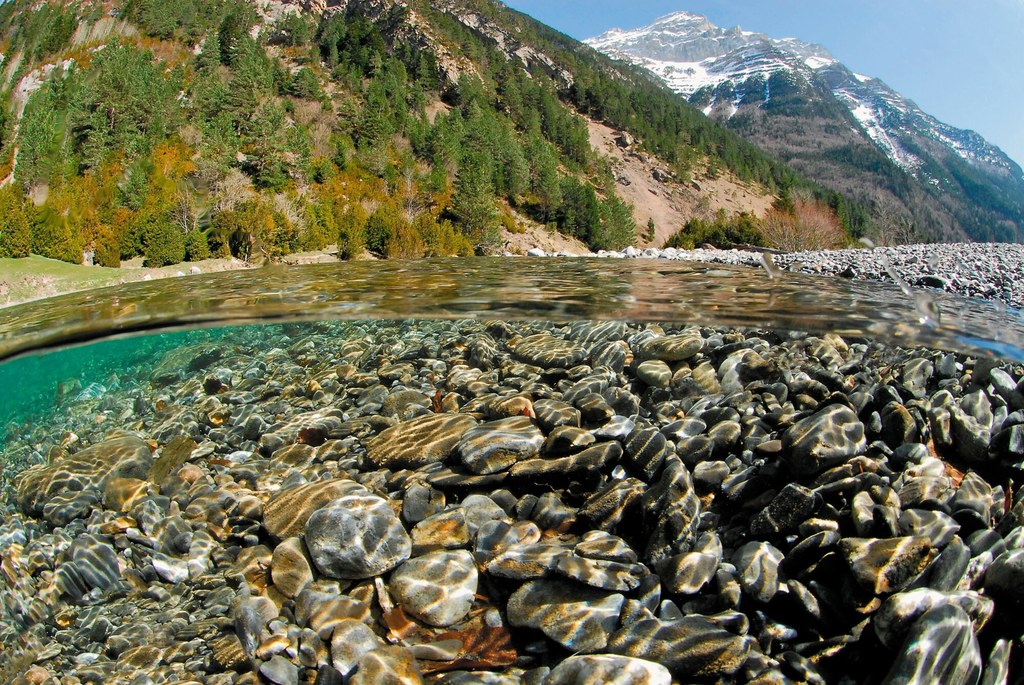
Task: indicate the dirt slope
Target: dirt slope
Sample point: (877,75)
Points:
(647,184)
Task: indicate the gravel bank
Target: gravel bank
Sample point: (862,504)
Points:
(984,270)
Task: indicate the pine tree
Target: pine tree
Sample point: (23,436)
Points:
(211,53)
(544,183)
(580,213)
(618,228)
(474,198)
(15,235)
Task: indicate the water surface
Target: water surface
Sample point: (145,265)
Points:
(518,288)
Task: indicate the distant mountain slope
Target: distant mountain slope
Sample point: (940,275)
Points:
(843,129)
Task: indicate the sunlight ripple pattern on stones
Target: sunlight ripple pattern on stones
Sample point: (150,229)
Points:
(286,514)
(356,536)
(941,647)
(547,351)
(424,440)
(87,471)
(578,618)
(689,647)
(666,523)
(887,565)
(823,440)
(437,588)
(496,445)
(607,669)
(900,611)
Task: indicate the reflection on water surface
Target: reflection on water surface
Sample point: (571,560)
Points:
(632,290)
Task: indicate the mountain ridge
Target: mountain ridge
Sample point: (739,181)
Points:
(731,72)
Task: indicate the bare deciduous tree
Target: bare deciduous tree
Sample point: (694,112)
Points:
(893,225)
(809,226)
(183,211)
(232,190)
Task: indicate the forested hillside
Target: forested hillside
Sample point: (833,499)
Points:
(177,129)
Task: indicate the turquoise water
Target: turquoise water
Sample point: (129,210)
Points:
(143,320)
(38,381)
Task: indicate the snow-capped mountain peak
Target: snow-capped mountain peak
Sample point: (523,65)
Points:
(690,52)
(724,71)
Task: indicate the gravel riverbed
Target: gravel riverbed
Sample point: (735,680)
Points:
(520,503)
(982,270)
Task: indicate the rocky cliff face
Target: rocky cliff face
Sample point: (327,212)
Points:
(797,100)
(415,30)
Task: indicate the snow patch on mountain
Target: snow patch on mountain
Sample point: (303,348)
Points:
(870,118)
(691,54)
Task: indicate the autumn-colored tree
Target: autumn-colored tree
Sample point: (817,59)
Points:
(405,242)
(351,223)
(441,238)
(107,247)
(808,226)
(15,235)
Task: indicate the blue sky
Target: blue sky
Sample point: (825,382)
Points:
(961,61)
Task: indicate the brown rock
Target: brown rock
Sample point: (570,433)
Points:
(886,565)
(121,494)
(424,440)
(290,569)
(387,665)
(171,456)
(286,514)
(88,471)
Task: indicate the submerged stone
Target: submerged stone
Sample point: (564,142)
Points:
(424,440)
(578,618)
(690,647)
(286,514)
(496,445)
(547,351)
(823,440)
(356,536)
(607,669)
(886,565)
(437,588)
(87,471)
(941,647)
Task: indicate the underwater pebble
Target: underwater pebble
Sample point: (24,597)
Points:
(524,502)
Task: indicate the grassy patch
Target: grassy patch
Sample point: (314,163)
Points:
(36,277)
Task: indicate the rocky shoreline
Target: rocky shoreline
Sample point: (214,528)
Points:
(980,270)
(504,502)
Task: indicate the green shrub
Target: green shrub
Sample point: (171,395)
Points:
(352,231)
(53,236)
(196,247)
(164,244)
(442,239)
(385,222)
(723,232)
